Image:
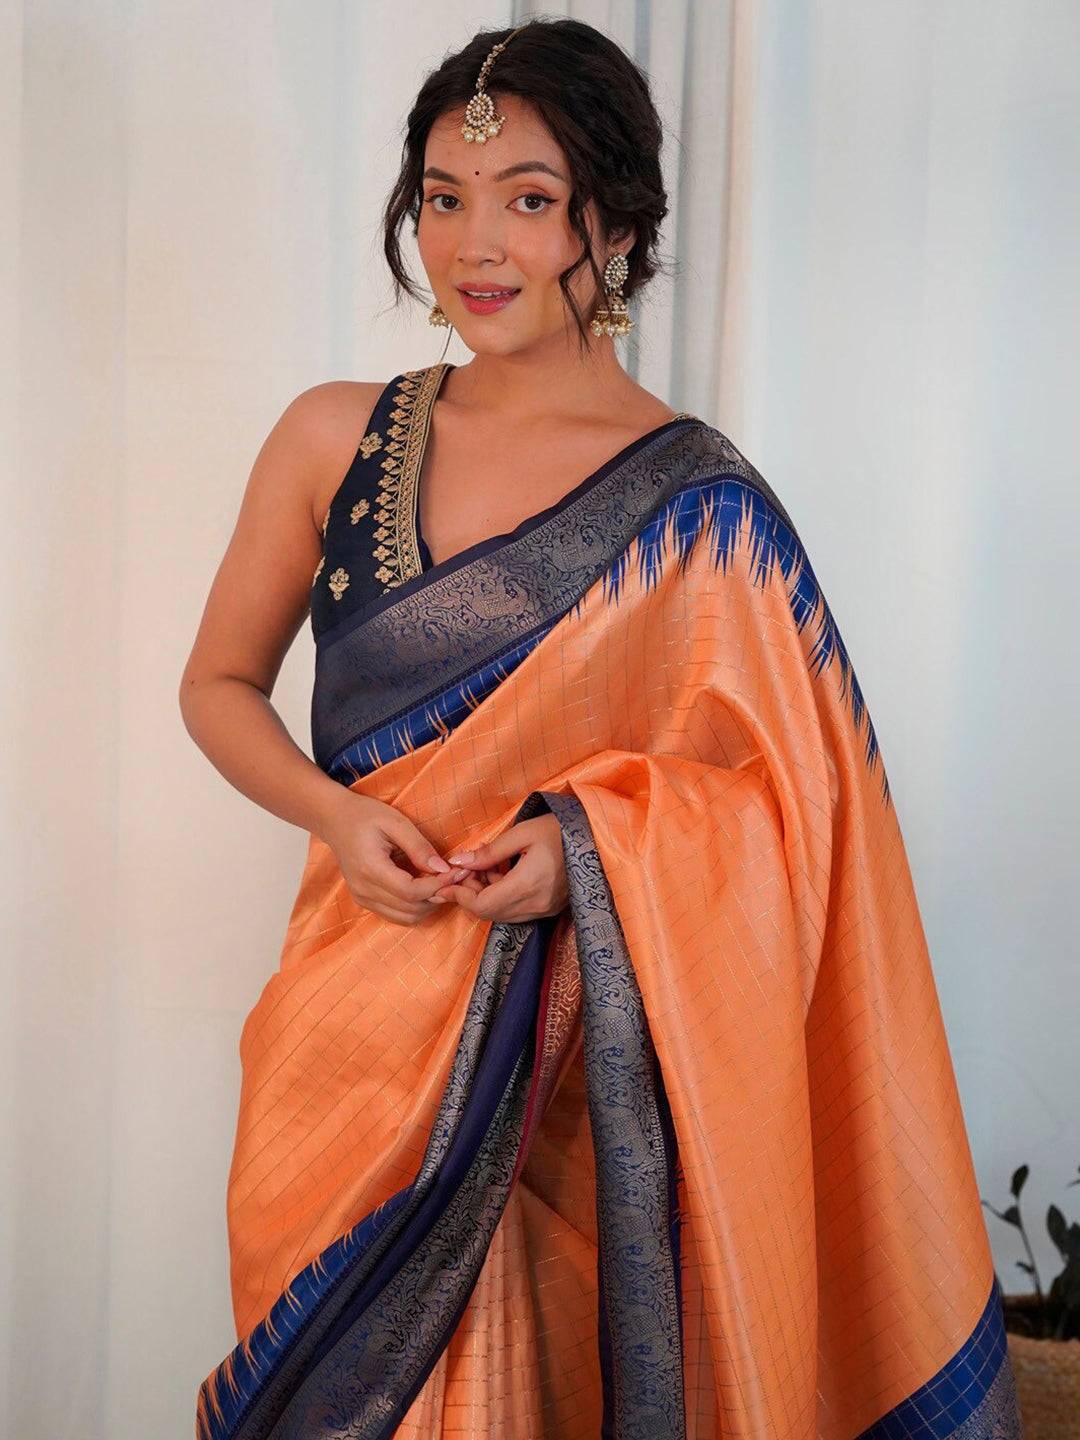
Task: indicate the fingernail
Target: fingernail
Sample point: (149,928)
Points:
(437,863)
(438,899)
(465,856)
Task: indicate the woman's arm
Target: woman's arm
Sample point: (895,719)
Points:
(258,601)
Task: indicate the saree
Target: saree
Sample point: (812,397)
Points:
(686,1160)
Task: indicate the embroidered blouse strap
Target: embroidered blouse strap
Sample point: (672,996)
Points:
(369,533)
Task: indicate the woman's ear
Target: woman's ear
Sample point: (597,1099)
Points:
(625,240)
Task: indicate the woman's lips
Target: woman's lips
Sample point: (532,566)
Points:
(486,307)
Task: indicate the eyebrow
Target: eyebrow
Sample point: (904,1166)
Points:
(434,173)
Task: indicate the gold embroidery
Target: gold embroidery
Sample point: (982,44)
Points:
(397,547)
(370,443)
(359,510)
(339,582)
(326,521)
(318,570)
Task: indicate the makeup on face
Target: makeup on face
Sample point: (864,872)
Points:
(482,301)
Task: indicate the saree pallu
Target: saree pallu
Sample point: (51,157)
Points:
(684,1161)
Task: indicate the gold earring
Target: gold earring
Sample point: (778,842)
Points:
(437,316)
(613,319)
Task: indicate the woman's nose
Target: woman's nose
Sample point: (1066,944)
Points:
(481,234)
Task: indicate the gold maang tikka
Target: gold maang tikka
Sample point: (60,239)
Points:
(481,119)
(481,122)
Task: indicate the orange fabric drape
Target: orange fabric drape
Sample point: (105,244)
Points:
(834,1253)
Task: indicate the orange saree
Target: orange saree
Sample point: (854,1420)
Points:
(687,1160)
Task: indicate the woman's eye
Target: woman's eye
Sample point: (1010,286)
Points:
(531,210)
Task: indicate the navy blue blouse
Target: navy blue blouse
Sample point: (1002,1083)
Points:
(371,540)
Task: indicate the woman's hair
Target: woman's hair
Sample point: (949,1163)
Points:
(595,101)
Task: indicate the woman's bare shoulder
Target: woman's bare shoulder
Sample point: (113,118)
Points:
(325,425)
(262,586)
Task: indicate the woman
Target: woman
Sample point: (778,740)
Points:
(602,1087)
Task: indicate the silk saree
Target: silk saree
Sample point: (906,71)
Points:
(685,1161)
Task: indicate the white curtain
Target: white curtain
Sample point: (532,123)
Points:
(874,228)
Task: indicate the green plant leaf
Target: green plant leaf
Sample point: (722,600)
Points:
(1055,1224)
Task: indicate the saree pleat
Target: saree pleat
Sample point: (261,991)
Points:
(687,1160)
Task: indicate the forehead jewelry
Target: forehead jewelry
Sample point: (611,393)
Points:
(481,119)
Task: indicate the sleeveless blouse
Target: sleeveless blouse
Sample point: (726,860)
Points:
(372,541)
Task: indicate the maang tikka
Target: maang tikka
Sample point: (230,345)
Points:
(481,118)
(482,121)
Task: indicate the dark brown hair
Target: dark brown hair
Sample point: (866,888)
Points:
(595,101)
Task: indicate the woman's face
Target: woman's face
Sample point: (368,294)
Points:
(483,229)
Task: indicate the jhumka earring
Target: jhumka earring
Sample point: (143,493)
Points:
(614,319)
(437,315)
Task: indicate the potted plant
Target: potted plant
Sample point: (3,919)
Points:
(1043,1327)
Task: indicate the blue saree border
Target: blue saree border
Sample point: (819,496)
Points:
(717,509)
(972,1397)
(640,1332)
(265,1385)
(436,716)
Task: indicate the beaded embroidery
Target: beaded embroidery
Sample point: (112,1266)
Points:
(397,551)
(339,582)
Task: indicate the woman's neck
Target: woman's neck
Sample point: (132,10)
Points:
(527,387)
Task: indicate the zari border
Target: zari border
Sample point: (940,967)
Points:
(638,1282)
(414,400)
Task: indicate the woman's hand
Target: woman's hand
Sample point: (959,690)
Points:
(534,887)
(370,839)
